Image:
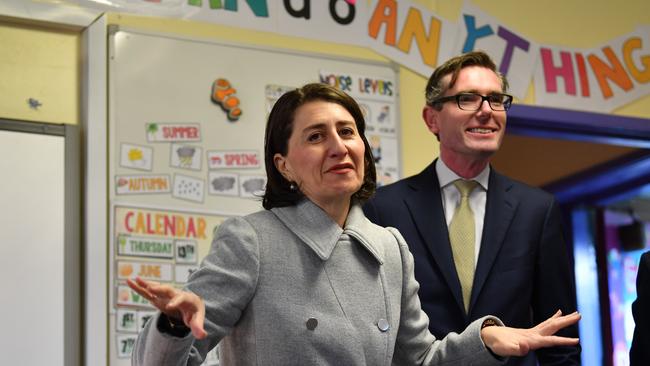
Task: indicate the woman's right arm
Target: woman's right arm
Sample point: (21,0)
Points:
(181,308)
(221,288)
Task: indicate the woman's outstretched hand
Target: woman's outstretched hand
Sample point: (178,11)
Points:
(175,303)
(506,341)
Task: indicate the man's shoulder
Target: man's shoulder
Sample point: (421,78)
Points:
(394,187)
(390,192)
(522,189)
(406,185)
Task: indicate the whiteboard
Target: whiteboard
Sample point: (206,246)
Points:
(175,153)
(39,253)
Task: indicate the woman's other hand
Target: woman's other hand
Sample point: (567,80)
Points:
(176,304)
(506,341)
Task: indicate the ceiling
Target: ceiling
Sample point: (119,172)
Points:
(541,161)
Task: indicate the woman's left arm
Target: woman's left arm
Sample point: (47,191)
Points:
(477,344)
(506,341)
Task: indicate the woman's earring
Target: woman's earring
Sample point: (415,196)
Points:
(293,187)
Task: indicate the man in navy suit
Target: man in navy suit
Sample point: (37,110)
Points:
(519,265)
(640,350)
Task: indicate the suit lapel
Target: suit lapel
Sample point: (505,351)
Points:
(425,205)
(499,211)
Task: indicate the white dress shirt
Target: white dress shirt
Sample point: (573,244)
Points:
(477,199)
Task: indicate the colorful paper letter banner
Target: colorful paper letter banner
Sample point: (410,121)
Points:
(602,79)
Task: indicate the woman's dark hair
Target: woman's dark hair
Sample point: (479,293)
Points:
(278,131)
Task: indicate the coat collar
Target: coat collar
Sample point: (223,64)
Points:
(320,233)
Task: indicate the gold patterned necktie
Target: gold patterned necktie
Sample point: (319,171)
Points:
(461,237)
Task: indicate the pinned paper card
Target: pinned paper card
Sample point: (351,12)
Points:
(143,317)
(381,118)
(273,93)
(145,247)
(186,251)
(126,320)
(170,132)
(136,157)
(127,297)
(159,272)
(385,153)
(139,184)
(223,184)
(252,186)
(125,344)
(188,188)
(186,156)
(239,159)
(183,272)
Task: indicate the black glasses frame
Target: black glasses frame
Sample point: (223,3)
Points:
(507,101)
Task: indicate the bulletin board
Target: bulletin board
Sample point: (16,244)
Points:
(186,136)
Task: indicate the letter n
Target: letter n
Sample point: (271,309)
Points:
(615,72)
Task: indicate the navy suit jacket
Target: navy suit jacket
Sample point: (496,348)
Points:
(640,350)
(523,274)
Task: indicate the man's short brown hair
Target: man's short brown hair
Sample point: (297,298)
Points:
(435,89)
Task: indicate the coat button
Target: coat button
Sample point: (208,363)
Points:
(383,325)
(312,323)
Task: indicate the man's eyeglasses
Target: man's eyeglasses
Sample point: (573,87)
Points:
(474,101)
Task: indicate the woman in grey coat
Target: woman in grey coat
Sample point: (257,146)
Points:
(309,280)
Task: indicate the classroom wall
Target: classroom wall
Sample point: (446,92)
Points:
(39,62)
(48,69)
(43,61)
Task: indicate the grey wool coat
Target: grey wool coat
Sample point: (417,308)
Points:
(290,287)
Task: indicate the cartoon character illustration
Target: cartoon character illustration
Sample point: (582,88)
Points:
(383,115)
(375,147)
(225,95)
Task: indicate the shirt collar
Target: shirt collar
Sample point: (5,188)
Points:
(316,229)
(447,176)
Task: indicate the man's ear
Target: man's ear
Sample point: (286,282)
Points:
(430,117)
(281,165)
